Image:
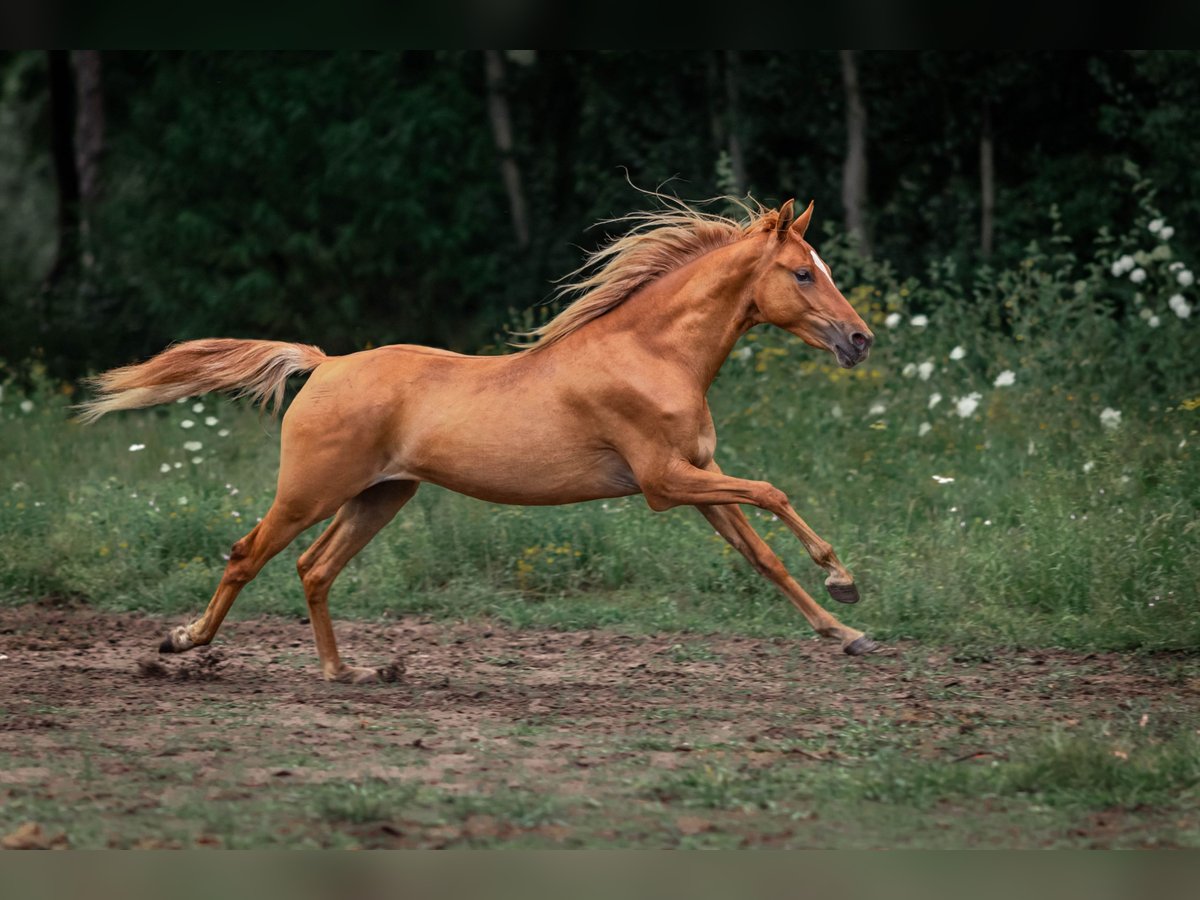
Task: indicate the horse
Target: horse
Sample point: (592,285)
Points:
(607,399)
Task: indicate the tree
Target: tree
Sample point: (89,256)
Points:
(854,170)
(502,132)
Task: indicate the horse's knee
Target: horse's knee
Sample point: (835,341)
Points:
(771,497)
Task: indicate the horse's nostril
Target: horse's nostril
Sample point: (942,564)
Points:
(859,340)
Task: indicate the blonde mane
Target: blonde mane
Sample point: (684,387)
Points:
(658,242)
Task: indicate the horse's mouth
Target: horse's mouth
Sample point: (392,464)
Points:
(848,359)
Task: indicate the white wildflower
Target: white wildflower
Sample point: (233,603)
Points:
(26,406)
(183,501)
(925,369)
(1031,450)
(923,429)
(1122,265)
(1156,226)
(134,448)
(177,465)
(909,370)
(1088,466)
(920,321)
(1137,276)
(210,421)
(196,460)
(934,399)
(187,423)
(1185,278)
(943,479)
(182,400)
(958,353)
(198,407)
(742,353)
(224,432)
(877,409)
(967,405)
(836,410)
(892,320)
(1110,418)
(1005,378)
(192,446)
(1167,233)
(1154,321)
(1180,306)
(165,468)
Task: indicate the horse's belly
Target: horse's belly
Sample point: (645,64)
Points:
(532,479)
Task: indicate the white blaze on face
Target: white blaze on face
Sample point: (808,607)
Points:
(821,265)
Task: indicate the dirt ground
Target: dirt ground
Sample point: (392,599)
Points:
(498,737)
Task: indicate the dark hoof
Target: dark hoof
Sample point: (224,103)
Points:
(843,593)
(166,646)
(861,646)
(392,672)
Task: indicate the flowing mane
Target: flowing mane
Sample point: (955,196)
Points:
(659,241)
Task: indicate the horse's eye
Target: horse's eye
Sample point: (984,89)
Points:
(804,276)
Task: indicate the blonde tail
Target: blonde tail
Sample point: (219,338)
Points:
(255,369)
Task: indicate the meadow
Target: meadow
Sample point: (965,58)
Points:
(1013,466)
(1012,471)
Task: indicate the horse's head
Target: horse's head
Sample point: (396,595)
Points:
(794,290)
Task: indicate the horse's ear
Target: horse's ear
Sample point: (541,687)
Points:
(785,219)
(801,224)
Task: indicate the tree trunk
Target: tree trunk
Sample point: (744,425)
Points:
(89,146)
(854,171)
(716,111)
(737,160)
(66,176)
(987,182)
(502,134)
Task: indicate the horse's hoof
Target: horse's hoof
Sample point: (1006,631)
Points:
(392,672)
(843,593)
(177,641)
(861,646)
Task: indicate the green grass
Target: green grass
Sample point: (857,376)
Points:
(1063,524)
(1019,549)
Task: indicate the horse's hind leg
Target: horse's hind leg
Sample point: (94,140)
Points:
(286,518)
(359,520)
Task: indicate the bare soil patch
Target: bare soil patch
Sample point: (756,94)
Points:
(503,737)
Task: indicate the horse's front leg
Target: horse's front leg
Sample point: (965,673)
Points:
(731,523)
(679,483)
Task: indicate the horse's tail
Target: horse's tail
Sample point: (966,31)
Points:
(255,369)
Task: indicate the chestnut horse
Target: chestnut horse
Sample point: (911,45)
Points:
(607,401)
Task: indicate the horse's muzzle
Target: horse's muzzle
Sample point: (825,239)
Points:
(852,348)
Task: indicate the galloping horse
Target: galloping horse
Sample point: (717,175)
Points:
(608,400)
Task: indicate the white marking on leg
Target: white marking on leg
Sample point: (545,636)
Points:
(181,639)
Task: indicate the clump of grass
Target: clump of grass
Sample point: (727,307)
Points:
(1101,771)
(1089,769)
(365,801)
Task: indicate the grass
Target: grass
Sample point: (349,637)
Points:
(1055,530)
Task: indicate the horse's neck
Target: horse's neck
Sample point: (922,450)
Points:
(692,317)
